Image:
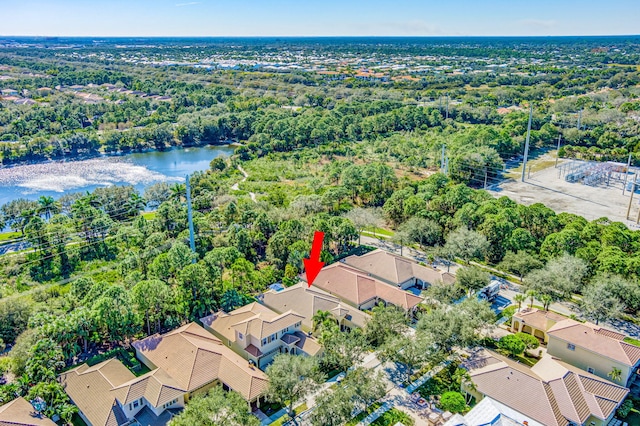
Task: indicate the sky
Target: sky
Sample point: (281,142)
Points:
(318,18)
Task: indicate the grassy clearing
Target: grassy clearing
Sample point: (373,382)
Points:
(380,231)
(5,236)
(149,215)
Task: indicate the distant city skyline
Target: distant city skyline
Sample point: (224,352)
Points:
(141,18)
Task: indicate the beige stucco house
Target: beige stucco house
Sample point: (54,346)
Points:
(535,322)
(361,290)
(108,394)
(197,361)
(19,412)
(258,333)
(594,349)
(307,301)
(552,392)
(398,270)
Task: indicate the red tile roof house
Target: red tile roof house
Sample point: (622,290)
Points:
(551,392)
(398,270)
(594,349)
(20,412)
(361,290)
(307,301)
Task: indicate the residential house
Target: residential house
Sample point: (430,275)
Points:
(20,412)
(595,349)
(9,92)
(258,333)
(535,322)
(552,393)
(197,361)
(397,270)
(491,412)
(307,301)
(44,91)
(362,291)
(108,394)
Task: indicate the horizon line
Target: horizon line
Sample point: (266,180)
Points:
(318,36)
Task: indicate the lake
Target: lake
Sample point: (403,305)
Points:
(140,170)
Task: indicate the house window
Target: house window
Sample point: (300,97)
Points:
(571,346)
(240,336)
(136,403)
(264,342)
(591,370)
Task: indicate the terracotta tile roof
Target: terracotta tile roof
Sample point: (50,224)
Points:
(353,286)
(20,412)
(194,358)
(307,301)
(157,387)
(90,389)
(253,319)
(395,269)
(538,319)
(596,339)
(562,393)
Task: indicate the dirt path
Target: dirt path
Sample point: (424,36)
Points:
(236,186)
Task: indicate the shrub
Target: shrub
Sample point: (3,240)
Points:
(512,344)
(453,401)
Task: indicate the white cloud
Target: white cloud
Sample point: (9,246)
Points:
(191,3)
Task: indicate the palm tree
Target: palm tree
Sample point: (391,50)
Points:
(519,298)
(532,295)
(178,192)
(48,206)
(615,375)
(321,318)
(546,301)
(136,203)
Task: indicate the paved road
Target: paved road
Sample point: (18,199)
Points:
(564,307)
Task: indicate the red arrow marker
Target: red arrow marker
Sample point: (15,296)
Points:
(313,265)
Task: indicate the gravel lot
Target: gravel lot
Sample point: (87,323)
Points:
(592,202)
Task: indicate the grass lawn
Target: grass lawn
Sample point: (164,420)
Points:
(299,409)
(527,360)
(380,231)
(392,417)
(8,236)
(634,342)
(354,421)
(149,215)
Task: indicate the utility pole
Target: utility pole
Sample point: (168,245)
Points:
(579,119)
(633,190)
(446,166)
(526,143)
(442,160)
(626,174)
(558,151)
(447,114)
(486,174)
(192,240)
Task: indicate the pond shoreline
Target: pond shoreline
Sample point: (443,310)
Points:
(227,144)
